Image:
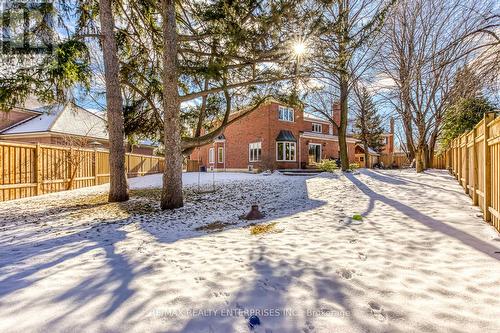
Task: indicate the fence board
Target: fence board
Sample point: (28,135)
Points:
(29,170)
(474,159)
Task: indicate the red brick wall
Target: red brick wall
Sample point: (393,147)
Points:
(308,126)
(263,126)
(388,147)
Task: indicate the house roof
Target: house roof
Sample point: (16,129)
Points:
(313,117)
(370,150)
(66,119)
(285,136)
(329,137)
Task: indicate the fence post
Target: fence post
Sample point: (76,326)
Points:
(142,167)
(466,175)
(38,169)
(459,160)
(474,168)
(70,167)
(95,166)
(487,168)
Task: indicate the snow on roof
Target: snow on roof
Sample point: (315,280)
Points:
(370,150)
(314,117)
(41,123)
(69,119)
(147,142)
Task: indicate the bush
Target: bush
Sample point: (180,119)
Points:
(353,166)
(327,166)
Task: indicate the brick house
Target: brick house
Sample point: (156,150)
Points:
(274,136)
(387,149)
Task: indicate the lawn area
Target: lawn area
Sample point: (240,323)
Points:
(375,251)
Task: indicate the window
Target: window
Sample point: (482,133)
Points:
(285,151)
(220,155)
(317,128)
(254,151)
(285,114)
(211,155)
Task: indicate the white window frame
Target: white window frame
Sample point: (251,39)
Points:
(318,129)
(320,149)
(256,146)
(220,157)
(211,155)
(289,144)
(288,114)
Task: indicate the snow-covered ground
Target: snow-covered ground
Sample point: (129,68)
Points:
(421,260)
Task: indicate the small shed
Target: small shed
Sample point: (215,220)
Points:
(359,155)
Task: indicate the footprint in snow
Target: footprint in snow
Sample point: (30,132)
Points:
(377,311)
(309,328)
(362,256)
(346,273)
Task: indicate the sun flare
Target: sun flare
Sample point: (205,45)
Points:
(299,48)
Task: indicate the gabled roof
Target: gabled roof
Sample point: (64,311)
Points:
(370,150)
(64,119)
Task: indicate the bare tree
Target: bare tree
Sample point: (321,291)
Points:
(425,43)
(343,55)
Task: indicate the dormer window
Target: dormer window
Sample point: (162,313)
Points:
(285,114)
(317,128)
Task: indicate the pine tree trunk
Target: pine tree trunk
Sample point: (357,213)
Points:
(343,84)
(118,187)
(172,177)
(344,158)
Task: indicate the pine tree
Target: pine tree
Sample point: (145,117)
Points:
(220,48)
(368,123)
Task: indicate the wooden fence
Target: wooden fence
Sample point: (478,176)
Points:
(32,169)
(474,159)
(400,159)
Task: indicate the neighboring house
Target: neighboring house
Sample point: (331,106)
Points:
(66,124)
(388,139)
(274,136)
(385,152)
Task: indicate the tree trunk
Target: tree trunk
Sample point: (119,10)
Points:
(419,163)
(432,147)
(118,187)
(343,69)
(367,155)
(172,177)
(425,157)
(344,158)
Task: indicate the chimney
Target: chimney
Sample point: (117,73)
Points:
(336,113)
(392,125)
